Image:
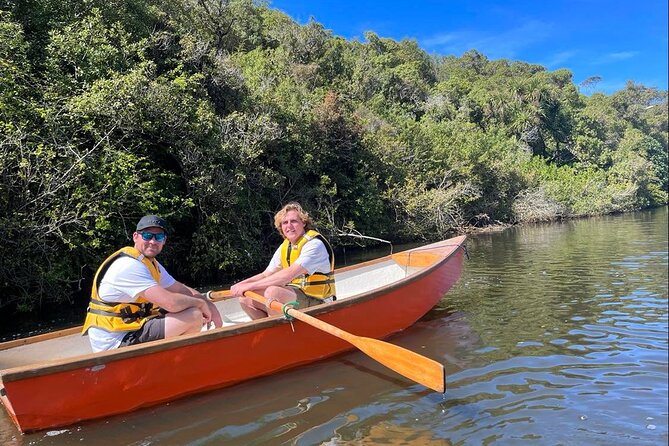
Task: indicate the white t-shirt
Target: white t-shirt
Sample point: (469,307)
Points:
(314,258)
(125,279)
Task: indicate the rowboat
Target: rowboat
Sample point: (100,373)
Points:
(55,380)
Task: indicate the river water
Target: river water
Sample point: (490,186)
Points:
(555,335)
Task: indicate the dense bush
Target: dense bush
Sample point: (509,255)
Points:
(215,113)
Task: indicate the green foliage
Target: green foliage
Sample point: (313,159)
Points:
(87,50)
(215,113)
(572,192)
(641,161)
(16,79)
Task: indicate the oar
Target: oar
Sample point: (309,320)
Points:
(216,296)
(409,364)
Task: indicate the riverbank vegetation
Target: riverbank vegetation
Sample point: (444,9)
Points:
(214,113)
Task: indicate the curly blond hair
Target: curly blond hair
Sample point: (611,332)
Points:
(293,206)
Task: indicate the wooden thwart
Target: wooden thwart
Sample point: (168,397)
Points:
(416,259)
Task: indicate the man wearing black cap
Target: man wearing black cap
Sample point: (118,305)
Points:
(134,299)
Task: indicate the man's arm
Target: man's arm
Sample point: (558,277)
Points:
(277,278)
(175,302)
(181,288)
(178,287)
(255,278)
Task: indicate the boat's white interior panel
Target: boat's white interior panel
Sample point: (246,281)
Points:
(57,348)
(361,280)
(231,312)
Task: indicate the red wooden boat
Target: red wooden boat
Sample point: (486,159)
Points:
(54,380)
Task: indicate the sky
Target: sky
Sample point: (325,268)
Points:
(617,40)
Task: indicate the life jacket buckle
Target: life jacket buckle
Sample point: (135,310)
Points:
(129,316)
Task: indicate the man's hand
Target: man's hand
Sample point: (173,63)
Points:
(239,289)
(212,314)
(206,311)
(215,315)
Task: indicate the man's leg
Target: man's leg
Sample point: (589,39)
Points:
(280,294)
(255,310)
(152,330)
(189,320)
(169,325)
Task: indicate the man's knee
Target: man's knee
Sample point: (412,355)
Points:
(273,292)
(193,315)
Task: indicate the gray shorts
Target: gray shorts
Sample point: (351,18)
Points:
(152,330)
(305,301)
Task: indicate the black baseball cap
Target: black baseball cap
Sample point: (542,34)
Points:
(151,221)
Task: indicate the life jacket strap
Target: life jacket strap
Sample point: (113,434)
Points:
(321,282)
(126,314)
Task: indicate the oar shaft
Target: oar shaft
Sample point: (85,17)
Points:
(307,319)
(219,295)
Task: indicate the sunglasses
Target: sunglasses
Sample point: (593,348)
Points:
(160,237)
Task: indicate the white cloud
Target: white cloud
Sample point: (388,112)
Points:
(616,57)
(558,60)
(503,44)
(623,55)
(442,39)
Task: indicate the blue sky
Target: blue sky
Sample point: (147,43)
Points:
(615,39)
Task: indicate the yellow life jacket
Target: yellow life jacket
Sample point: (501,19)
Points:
(319,285)
(120,316)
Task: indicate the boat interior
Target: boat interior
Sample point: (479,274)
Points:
(350,281)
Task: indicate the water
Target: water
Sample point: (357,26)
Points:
(555,335)
(571,321)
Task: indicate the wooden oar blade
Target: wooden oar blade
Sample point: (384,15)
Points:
(416,367)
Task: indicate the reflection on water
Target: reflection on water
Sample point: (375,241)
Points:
(573,326)
(555,334)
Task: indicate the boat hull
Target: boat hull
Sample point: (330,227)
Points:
(62,392)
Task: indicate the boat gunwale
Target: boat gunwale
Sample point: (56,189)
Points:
(106,357)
